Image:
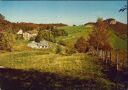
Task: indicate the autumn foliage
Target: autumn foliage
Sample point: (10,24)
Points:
(81,45)
(99,38)
(6,41)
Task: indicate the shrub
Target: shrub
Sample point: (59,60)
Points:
(81,45)
(58,49)
(6,41)
(57,32)
(61,42)
(70,51)
(18,37)
(44,34)
(32,38)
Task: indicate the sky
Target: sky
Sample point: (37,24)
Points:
(68,12)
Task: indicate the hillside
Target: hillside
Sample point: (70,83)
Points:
(119,28)
(55,70)
(75,32)
(4,24)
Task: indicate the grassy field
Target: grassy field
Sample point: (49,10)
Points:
(117,42)
(74,65)
(46,60)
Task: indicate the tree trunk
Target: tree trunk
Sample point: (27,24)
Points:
(97,51)
(110,56)
(106,59)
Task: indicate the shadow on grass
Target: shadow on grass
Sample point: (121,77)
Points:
(17,79)
(119,77)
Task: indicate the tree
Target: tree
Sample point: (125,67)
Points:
(81,45)
(61,42)
(2,17)
(99,38)
(59,32)
(6,41)
(100,19)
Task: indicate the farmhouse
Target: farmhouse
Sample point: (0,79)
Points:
(43,44)
(27,35)
(40,45)
(111,21)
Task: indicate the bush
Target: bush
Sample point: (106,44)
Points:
(18,37)
(81,45)
(32,38)
(70,51)
(58,49)
(6,41)
(62,43)
(45,34)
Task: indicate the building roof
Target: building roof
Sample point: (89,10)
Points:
(43,43)
(20,31)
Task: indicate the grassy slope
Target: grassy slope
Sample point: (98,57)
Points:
(78,31)
(117,42)
(75,32)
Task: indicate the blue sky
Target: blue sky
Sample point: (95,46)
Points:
(68,12)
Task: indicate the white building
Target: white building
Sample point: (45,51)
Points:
(41,44)
(26,36)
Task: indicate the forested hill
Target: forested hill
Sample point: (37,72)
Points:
(7,25)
